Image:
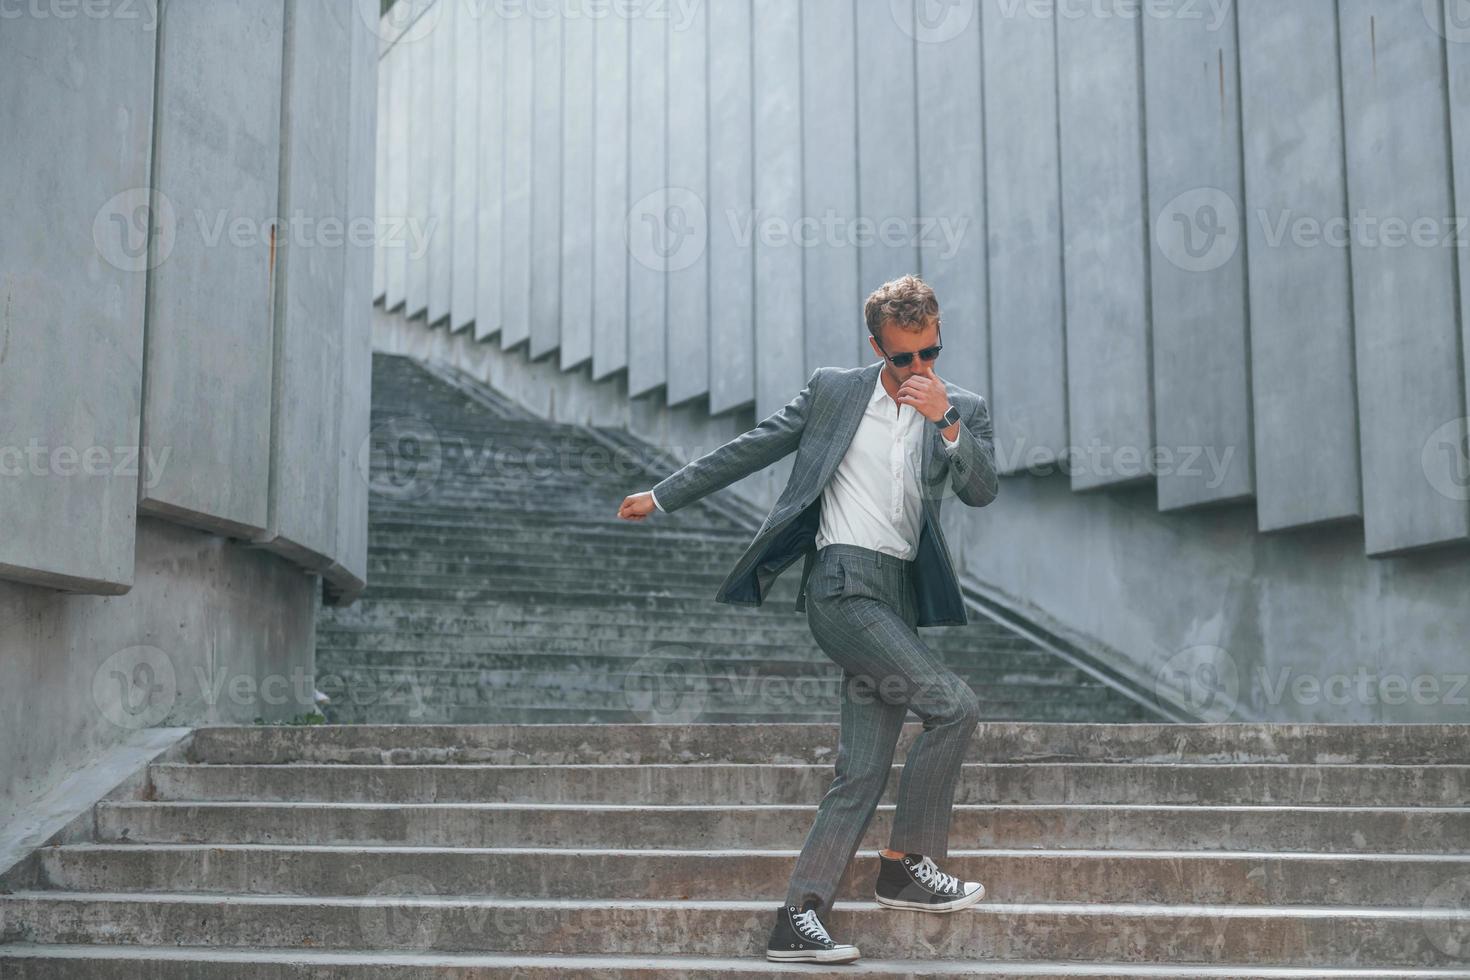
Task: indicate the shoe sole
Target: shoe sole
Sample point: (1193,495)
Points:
(813,955)
(953,906)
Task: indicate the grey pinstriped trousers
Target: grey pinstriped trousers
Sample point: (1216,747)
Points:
(862,609)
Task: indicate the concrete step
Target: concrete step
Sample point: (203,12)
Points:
(764,624)
(797,783)
(570,658)
(1362,830)
(399,914)
(747,686)
(360,703)
(557,873)
(1015,742)
(111,962)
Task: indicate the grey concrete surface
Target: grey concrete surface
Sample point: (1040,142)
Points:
(887,168)
(1304,399)
(546,184)
(397,68)
(687,280)
(648,232)
(731,199)
(952,254)
(1201,344)
(610,210)
(489,231)
(1023,205)
(516,216)
(833,297)
(347,574)
(211,630)
(779,274)
(72,282)
(1410,368)
(211,299)
(578,186)
(307,373)
(1105,250)
(418,48)
(464,212)
(440,137)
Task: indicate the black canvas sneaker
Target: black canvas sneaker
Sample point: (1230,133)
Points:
(800,936)
(915,882)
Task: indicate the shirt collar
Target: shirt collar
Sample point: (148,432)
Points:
(878,390)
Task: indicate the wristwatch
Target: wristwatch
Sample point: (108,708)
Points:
(949,418)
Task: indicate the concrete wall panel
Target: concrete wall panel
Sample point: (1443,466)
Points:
(732,249)
(827,250)
(1202,408)
(306,400)
(419,48)
(73,267)
(209,350)
(1301,340)
(579,162)
(887,175)
(546,187)
(380,183)
(779,325)
(516,214)
(1023,207)
(393,230)
(687,221)
(348,572)
(441,161)
(466,161)
(1410,389)
(952,246)
(610,268)
(489,226)
(648,201)
(1105,250)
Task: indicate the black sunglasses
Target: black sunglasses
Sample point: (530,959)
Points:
(904,359)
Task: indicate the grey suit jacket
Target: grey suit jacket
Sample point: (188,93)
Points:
(819,425)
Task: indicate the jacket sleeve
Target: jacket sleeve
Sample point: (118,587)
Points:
(972,461)
(775,437)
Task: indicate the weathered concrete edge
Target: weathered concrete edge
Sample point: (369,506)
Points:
(63,813)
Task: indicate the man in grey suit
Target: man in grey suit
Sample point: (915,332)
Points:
(877,449)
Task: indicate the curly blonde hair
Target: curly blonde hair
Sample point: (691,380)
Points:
(908,301)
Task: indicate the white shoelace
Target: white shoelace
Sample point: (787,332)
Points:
(928,872)
(810,926)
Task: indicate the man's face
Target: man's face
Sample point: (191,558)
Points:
(897,340)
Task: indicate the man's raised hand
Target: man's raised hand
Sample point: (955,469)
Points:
(637,506)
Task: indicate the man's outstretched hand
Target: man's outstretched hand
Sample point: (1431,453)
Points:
(637,506)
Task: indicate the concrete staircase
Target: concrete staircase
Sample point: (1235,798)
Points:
(660,851)
(502,587)
(646,825)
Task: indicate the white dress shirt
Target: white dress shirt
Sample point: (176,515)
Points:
(872,499)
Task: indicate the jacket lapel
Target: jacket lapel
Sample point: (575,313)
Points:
(854,401)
